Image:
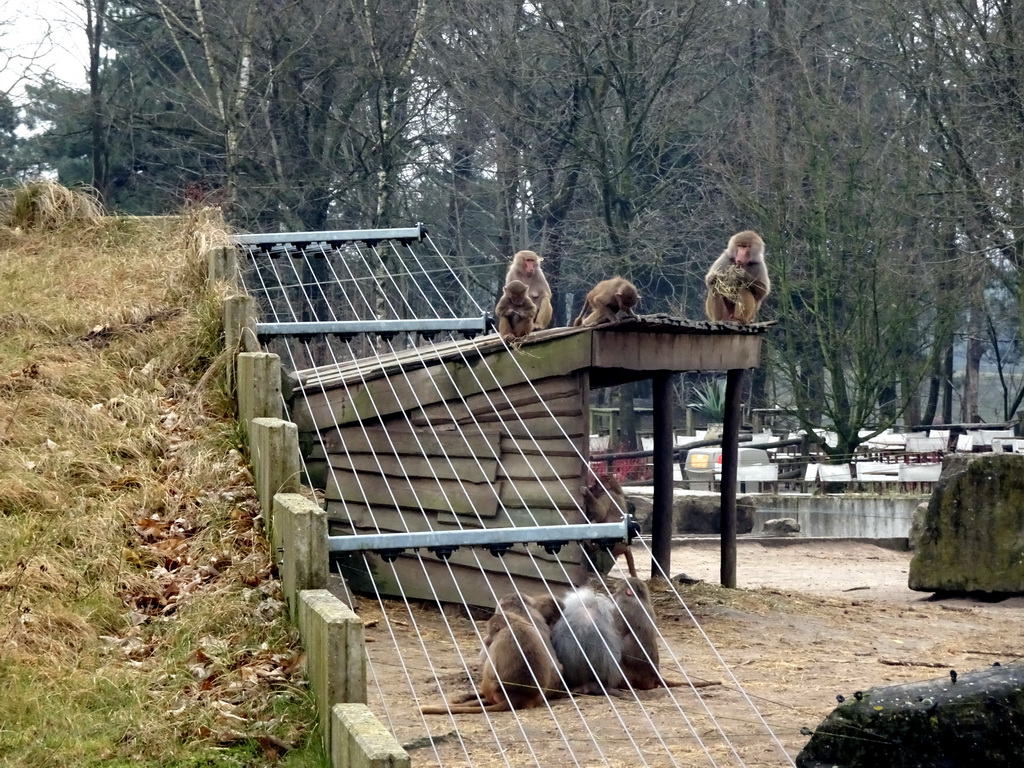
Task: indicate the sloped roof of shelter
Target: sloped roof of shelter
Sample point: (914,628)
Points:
(612,354)
(364,369)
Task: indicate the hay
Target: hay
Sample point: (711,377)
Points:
(729,282)
(45,205)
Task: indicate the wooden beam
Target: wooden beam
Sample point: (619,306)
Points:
(463,351)
(636,351)
(541,493)
(462,580)
(473,470)
(365,519)
(358,398)
(559,391)
(524,430)
(467,499)
(575,445)
(539,467)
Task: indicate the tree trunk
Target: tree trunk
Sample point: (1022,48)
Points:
(95,15)
(972,371)
(627,419)
(947,386)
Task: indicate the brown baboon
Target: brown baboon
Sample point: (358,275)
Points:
(605,502)
(526,267)
(639,635)
(518,663)
(738,280)
(608,301)
(636,624)
(542,610)
(515,311)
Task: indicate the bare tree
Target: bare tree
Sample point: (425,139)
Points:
(221,78)
(961,64)
(830,173)
(95,20)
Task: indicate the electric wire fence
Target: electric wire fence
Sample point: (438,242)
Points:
(359,281)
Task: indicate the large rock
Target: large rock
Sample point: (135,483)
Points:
(780,526)
(917,525)
(703,514)
(978,720)
(972,536)
(641,507)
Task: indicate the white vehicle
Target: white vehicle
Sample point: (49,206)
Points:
(704,468)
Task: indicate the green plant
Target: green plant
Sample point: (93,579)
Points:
(709,399)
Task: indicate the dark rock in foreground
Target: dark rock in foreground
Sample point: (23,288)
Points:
(976,721)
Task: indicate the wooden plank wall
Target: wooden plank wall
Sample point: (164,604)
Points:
(324,398)
(509,457)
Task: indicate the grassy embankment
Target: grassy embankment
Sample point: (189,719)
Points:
(140,621)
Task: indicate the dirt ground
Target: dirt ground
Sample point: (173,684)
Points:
(809,621)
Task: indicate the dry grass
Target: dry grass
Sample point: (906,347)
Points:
(44,205)
(729,282)
(139,620)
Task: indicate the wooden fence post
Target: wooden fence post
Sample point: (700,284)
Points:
(332,635)
(239,331)
(222,265)
(259,387)
(361,741)
(275,460)
(300,533)
(240,324)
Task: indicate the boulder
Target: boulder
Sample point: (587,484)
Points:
(917,525)
(972,536)
(641,507)
(703,514)
(972,719)
(780,526)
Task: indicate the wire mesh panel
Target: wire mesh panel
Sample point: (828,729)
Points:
(405,431)
(361,275)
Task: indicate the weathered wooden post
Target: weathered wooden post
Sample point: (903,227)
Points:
(259,387)
(222,265)
(300,546)
(274,457)
(359,739)
(661,521)
(730,462)
(332,635)
(240,324)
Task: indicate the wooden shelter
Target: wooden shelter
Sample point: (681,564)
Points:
(469,434)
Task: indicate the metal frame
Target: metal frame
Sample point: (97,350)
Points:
(498,540)
(368,236)
(350,327)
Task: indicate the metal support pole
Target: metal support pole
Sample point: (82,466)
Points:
(443,543)
(661,521)
(730,461)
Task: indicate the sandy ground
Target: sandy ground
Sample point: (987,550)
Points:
(808,622)
(825,567)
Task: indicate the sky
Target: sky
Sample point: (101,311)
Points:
(38,36)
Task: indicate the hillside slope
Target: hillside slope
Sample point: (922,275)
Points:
(140,619)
